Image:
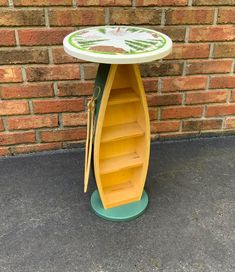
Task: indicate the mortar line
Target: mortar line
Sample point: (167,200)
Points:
(60,122)
(11,3)
(4,120)
(23,72)
(215,20)
(187,34)
(106,16)
(211,51)
(37,136)
(74,3)
(55,88)
(184,68)
(232,67)
(229,96)
(208,83)
(46,18)
(159,85)
(181,126)
(17,38)
(82,73)
(30,107)
(50,55)
(163,17)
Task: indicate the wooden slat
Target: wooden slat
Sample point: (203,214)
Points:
(121,162)
(122,96)
(119,132)
(124,192)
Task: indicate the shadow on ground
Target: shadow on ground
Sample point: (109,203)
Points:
(46,223)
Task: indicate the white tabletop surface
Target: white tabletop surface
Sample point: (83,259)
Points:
(117,44)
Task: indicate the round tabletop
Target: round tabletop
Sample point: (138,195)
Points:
(117,44)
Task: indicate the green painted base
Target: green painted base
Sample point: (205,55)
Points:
(125,212)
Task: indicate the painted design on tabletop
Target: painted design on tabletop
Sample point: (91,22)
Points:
(116,40)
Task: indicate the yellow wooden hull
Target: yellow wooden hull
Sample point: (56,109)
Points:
(122,138)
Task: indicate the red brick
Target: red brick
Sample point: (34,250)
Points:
(43,36)
(63,135)
(233,96)
(209,66)
(75,89)
(155,69)
(26,91)
(190,51)
(205,97)
(74,119)
(21,56)
(220,110)
(31,122)
(76,17)
(224,50)
(181,112)
(59,105)
(1,125)
(177,33)
(127,16)
(198,125)
(189,16)
(21,17)
(164,126)
(222,82)
(214,2)
(212,33)
(16,138)
(30,148)
(226,16)
(178,135)
(59,56)
(7,37)
(4,151)
(104,2)
(184,83)
(161,3)
(230,123)
(3,3)
(90,71)
(13,107)
(10,74)
(150,84)
(53,72)
(164,100)
(153,113)
(42,3)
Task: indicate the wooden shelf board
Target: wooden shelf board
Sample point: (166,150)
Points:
(119,163)
(119,132)
(121,193)
(122,96)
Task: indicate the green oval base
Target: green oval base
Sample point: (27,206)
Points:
(125,212)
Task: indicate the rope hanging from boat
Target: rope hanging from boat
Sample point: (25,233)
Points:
(90,135)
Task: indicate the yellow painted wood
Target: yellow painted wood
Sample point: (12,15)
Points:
(121,96)
(122,138)
(118,163)
(119,132)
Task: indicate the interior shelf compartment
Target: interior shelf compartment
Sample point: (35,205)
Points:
(118,163)
(123,192)
(122,96)
(119,132)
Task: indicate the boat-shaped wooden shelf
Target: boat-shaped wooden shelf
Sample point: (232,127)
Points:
(122,129)
(122,138)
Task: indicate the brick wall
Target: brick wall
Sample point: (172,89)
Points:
(43,91)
